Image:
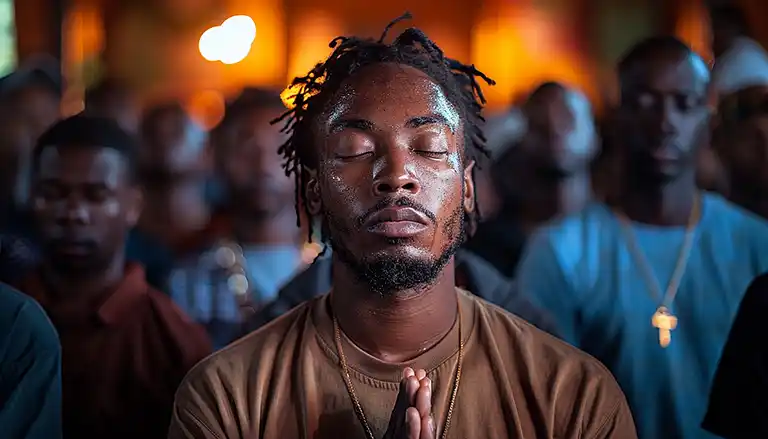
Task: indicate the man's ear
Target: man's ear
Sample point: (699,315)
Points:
(135,205)
(312,193)
(469,188)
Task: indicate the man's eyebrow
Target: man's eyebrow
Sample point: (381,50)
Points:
(357,124)
(430,119)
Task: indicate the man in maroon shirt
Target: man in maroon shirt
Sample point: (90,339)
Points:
(125,346)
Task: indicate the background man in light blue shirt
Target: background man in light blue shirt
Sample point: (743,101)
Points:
(662,247)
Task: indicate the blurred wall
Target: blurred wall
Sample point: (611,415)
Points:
(154,43)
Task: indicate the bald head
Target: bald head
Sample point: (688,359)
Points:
(561,136)
(651,55)
(664,108)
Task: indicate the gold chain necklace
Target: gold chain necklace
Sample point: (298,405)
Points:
(663,319)
(353,395)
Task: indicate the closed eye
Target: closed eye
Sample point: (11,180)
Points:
(432,154)
(354,156)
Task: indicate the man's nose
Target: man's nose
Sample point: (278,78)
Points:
(395,176)
(75,211)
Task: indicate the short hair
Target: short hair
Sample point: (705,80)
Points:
(351,54)
(543,88)
(647,49)
(88,131)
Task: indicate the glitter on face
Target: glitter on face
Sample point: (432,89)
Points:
(441,105)
(393,139)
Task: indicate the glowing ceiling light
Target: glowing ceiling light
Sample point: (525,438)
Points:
(209,44)
(230,42)
(242,26)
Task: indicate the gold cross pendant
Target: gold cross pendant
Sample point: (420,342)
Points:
(665,322)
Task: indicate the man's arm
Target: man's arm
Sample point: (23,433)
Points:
(31,371)
(618,424)
(193,417)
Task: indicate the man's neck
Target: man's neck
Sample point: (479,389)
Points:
(279,229)
(82,289)
(668,204)
(174,211)
(556,198)
(398,327)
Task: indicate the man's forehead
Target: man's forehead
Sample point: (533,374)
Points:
(669,71)
(83,161)
(377,89)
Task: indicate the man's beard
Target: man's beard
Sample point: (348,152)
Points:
(390,274)
(95,261)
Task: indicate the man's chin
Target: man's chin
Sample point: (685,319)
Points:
(75,264)
(401,268)
(389,275)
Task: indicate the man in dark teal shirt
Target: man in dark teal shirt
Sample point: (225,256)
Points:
(30,370)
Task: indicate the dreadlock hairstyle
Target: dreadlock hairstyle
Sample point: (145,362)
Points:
(413,48)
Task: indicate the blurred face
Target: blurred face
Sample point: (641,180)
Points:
(748,155)
(174,148)
(665,116)
(84,204)
(251,166)
(38,106)
(560,139)
(391,180)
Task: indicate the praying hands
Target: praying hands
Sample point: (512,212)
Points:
(412,415)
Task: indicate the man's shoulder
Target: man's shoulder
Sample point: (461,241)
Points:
(549,363)
(189,338)
(576,225)
(254,353)
(23,322)
(726,220)
(721,209)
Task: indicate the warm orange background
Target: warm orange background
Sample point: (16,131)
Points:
(154,43)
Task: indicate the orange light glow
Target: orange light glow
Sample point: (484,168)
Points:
(693,28)
(288,95)
(83,34)
(206,108)
(518,46)
(309,46)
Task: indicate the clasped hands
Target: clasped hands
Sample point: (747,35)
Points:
(412,415)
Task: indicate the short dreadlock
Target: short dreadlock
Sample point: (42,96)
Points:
(412,48)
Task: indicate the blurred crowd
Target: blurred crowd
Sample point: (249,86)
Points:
(151,242)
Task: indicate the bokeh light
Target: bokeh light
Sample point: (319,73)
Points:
(230,42)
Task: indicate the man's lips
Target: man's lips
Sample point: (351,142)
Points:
(397,222)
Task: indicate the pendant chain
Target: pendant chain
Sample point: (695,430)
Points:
(353,394)
(682,260)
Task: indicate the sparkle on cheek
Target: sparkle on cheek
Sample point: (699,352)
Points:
(112,209)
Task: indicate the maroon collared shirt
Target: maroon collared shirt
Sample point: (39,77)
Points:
(122,359)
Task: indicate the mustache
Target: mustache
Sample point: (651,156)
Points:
(61,242)
(394,202)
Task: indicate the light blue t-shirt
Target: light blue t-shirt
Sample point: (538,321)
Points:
(198,285)
(581,271)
